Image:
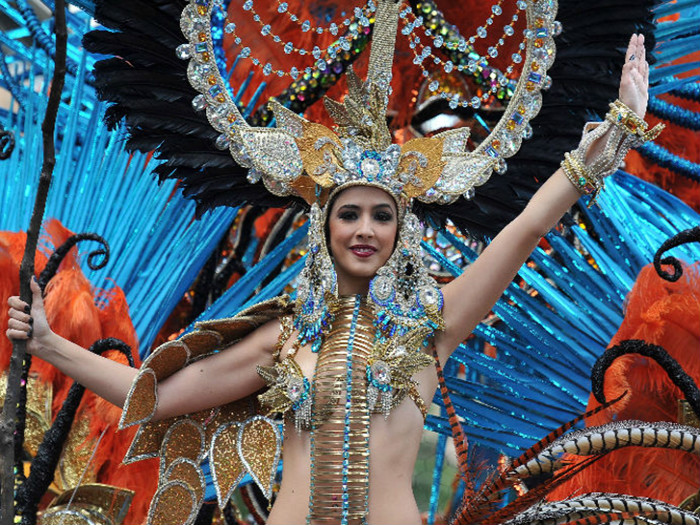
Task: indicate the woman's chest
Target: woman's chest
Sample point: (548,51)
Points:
(355,368)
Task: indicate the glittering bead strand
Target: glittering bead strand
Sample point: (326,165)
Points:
(457,51)
(363,19)
(666,159)
(687,91)
(333,27)
(348,407)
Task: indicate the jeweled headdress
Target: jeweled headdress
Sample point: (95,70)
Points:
(306,160)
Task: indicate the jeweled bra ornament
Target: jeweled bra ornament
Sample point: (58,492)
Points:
(307,160)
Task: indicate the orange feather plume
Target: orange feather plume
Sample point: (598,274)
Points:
(668,315)
(72,312)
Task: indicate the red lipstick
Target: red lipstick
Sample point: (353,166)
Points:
(363,250)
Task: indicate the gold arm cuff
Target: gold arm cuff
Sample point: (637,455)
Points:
(580,177)
(626,119)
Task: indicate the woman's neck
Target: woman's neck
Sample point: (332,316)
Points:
(353,286)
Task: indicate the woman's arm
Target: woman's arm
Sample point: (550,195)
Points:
(218,379)
(472,295)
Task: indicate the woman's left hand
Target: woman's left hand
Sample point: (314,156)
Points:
(634,83)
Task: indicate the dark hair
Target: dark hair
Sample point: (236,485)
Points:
(326,227)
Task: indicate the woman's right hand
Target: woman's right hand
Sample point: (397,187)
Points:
(29,324)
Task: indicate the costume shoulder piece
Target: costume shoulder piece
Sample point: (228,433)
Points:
(234,438)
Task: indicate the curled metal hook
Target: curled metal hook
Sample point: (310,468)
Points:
(684,237)
(57,257)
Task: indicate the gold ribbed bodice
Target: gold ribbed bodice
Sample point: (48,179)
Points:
(340,417)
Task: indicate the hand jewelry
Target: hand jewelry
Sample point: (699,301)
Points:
(624,130)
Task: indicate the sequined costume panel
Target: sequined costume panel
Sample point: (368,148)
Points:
(393,361)
(234,438)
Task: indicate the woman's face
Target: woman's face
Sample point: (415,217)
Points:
(362,227)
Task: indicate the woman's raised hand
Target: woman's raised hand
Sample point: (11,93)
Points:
(634,83)
(28,324)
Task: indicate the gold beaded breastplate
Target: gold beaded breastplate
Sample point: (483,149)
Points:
(357,373)
(340,418)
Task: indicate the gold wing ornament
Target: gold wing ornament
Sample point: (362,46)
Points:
(235,438)
(299,155)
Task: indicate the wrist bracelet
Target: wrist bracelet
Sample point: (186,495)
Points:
(625,130)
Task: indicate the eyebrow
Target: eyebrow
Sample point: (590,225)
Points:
(356,207)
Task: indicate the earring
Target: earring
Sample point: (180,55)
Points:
(403,292)
(317,286)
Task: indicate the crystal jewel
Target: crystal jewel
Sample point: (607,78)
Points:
(370,167)
(184,51)
(222,142)
(382,288)
(295,388)
(381,372)
(199,103)
(428,296)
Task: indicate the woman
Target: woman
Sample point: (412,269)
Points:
(335,469)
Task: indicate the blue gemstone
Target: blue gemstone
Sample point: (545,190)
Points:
(534,77)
